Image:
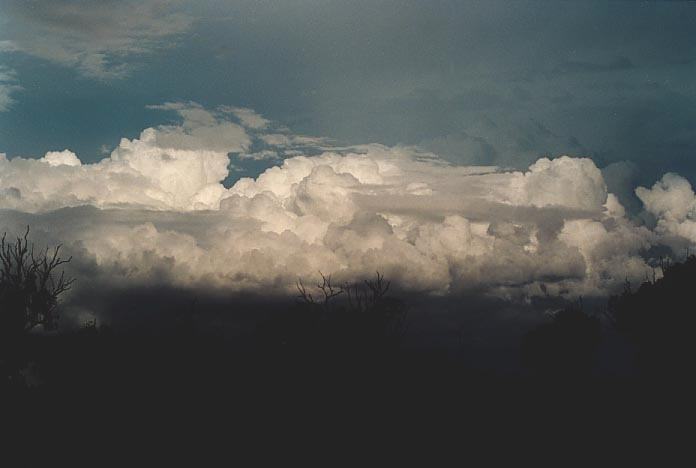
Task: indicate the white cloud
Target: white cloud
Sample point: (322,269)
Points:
(673,202)
(248,117)
(157,212)
(574,183)
(61,158)
(173,167)
(98,37)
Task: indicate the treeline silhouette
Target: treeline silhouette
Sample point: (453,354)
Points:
(348,321)
(659,319)
(347,332)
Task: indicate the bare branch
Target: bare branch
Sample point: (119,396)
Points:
(304,295)
(30,283)
(327,289)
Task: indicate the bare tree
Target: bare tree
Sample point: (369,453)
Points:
(31,283)
(365,307)
(361,297)
(328,290)
(367,296)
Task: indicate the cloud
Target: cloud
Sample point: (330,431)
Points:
(156,212)
(98,38)
(506,136)
(673,203)
(8,86)
(248,117)
(171,167)
(61,158)
(177,167)
(621,178)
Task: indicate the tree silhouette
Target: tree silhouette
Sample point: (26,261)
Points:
(350,319)
(30,286)
(659,319)
(366,312)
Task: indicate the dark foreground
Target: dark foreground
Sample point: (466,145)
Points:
(308,371)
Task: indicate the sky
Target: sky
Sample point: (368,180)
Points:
(457,146)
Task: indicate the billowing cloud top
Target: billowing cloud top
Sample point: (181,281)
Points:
(156,210)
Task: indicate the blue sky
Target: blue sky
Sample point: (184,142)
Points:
(476,82)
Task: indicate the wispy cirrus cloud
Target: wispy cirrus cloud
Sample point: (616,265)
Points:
(8,86)
(98,38)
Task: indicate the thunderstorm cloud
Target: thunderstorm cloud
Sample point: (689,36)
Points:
(158,210)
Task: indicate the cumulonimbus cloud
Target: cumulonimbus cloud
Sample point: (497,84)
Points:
(156,210)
